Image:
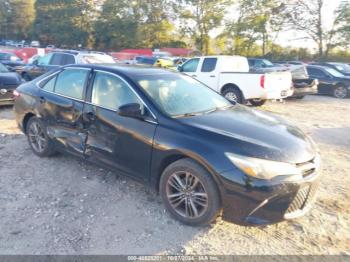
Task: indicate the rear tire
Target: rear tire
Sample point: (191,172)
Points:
(189,193)
(233,94)
(340,92)
(38,140)
(257,102)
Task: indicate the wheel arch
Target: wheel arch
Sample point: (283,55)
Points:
(173,157)
(26,120)
(230,85)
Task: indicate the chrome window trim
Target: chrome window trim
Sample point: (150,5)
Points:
(130,87)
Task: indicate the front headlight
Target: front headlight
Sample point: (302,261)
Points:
(261,168)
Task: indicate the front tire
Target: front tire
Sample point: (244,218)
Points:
(340,92)
(257,102)
(190,193)
(38,140)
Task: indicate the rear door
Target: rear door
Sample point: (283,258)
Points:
(122,143)
(61,104)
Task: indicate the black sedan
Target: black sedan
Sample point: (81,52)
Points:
(340,67)
(202,154)
(330,81)
(9,81)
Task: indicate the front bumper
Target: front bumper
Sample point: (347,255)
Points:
(250,201)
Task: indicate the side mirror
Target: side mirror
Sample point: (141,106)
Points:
(179,68)
(131,110)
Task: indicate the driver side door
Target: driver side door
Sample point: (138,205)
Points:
(122,143)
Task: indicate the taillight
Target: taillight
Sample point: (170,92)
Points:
(262,81)
(16,94)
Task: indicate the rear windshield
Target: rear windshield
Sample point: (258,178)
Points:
(97,59)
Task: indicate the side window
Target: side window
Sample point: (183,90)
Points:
(44,60)
(111,92)
(56,59)
(50,85)
(316,72)
(71,83)
(191,65)
(209,64)
(68,59)
(251,62)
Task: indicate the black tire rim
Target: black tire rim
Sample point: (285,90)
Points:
(186,195)
(340,92)
(231,96)
(37,137)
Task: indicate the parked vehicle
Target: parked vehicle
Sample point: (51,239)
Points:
(35,44)
(302,83)
(331,82)
(202,153)
(9,81)
(229,76)
(10,60)
(340,67)
(56,59)
(257,63)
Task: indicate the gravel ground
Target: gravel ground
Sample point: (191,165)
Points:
(60,205)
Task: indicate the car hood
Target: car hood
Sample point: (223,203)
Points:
(10,78)
(254,133)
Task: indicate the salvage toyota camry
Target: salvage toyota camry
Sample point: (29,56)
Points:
(205,156)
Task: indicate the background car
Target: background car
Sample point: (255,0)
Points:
(56,59)
(340,67)
(9,81)
(331,82)
(10,60)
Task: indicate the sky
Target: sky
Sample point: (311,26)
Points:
(295,39)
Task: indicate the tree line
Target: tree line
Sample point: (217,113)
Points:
(244,27)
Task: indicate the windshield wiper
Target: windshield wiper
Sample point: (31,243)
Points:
(204,112)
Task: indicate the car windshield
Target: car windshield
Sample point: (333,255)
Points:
(334,72)
(179,95)
(268,63)
(5,56)
(3,69)
(97,59)
(343,68)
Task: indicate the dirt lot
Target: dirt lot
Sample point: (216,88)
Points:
(62,206)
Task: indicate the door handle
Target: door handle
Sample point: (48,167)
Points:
(42,100)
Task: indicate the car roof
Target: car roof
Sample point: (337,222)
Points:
(316,66)
(128,70)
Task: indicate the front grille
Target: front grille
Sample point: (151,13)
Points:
(303,199)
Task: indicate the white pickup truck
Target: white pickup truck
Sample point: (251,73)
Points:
(229,75)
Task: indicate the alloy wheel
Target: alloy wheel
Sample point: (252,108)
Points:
(37,137)
(340,92)
(187,195)
(231,96)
